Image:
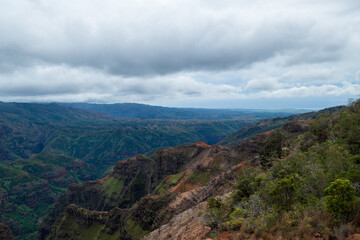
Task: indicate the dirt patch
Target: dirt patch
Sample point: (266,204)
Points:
(354,237)
(202,144)
(191,186)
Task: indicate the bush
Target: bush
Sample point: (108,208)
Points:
(233,224)
(272,148)
(321,127)
(285,192)
(246,184)
(339,199)
(216,215)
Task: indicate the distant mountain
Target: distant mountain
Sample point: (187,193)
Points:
(142,111)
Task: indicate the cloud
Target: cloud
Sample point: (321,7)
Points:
(182,49)
(63,83)
(357,77)
(157,37)
(346,89)
(263,84)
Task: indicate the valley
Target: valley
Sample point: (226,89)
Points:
(46,147)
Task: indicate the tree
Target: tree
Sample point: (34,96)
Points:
(348,127)
(321,127)
(285,192)
(272,148)
(246,184)
(339,198)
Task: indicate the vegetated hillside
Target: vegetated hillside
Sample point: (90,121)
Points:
(142,111)
(300,181)
(45,147)
(249,131)
(25,128)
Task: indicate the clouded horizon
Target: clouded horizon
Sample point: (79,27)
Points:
(185,53)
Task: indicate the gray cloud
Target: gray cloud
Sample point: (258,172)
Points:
(139,38)
(156,50)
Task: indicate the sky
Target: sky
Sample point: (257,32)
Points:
(182,53)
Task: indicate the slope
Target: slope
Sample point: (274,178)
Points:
(249,131)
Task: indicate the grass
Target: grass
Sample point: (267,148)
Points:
(134,229)
(113,186)
(169,183)
(199,177)
(93,231)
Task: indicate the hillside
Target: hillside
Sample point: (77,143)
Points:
(299,181)
(46,147)
(142,111)
(249,131)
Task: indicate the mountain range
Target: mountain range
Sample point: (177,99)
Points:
(82,174)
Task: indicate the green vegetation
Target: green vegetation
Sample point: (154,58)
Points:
(285,192)
(247,184)
(272,148)
(313,188)
(198,176)
(69,227)
(270,124)
(113,186)
(168,183)
(134,229)
(340,198)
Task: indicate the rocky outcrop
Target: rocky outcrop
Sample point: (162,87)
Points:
(79,223)
(5,232)
(187,225)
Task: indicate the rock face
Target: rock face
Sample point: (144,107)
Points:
(187,225)
(75,219)
(5,232)
(165,192)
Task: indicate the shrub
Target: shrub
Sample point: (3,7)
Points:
(233,224)
(320,128)
(246,184)
(272,148)
(216,215)
(339,199)
(285,192)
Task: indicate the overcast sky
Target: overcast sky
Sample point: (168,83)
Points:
(189,53)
